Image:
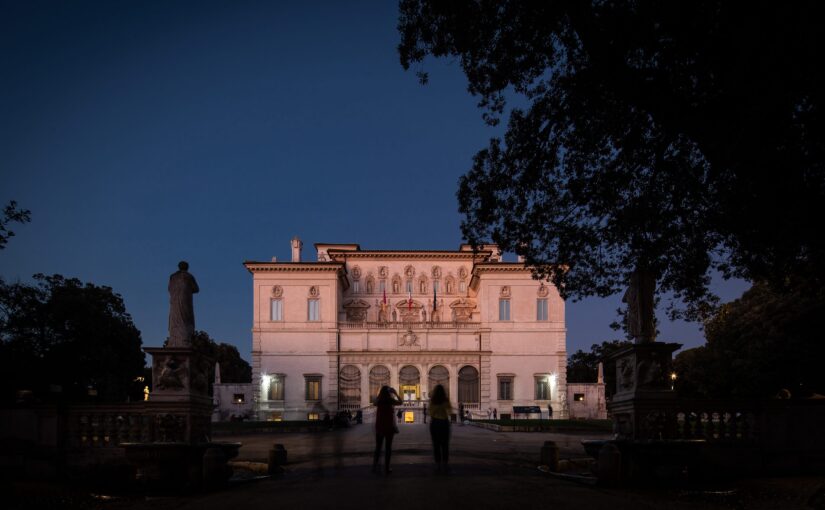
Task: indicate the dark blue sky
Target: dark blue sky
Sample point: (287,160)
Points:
(143,133)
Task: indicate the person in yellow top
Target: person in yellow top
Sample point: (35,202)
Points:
(440,412)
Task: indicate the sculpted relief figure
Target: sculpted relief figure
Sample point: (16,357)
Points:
(181,311)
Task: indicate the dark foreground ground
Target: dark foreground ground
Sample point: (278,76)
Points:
(489,470)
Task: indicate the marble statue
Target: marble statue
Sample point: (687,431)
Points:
(639,300)
(181,311)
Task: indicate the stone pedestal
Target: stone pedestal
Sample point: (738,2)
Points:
(179,410)
(642,390)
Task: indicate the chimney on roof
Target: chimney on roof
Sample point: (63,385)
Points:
(296,249)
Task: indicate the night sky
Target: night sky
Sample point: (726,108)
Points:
(143,133)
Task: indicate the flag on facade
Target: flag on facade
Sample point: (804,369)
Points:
(385,296)
(435,298)
(409,299)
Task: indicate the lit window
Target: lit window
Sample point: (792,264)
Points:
(276,312)
(504,309)
(313,416)
(276,387)
(505,388)
(314,310)
(238,398)
(542,388)
(541,309)
(578,397)
(313,387)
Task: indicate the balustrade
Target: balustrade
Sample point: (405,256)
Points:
(407,325)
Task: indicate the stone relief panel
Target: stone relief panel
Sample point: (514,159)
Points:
(313,291)
(462,309)
(409,312)
(383,271)
(462,273)
(409,272)
(356,273)
(505,291)
(436,272)
(356,310)
(277,291)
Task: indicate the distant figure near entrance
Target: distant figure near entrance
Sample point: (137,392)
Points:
(181,311)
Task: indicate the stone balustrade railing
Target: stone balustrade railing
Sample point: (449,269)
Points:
(107,426)
(407,325)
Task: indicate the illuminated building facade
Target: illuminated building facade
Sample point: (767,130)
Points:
(328,333)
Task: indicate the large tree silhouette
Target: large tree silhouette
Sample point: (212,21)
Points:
(682,136)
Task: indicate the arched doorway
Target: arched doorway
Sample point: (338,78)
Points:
(409,380)
(439,375)
(379,376)
(349,387)
(468,385)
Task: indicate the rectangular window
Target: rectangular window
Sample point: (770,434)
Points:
(505,388)
(314,310)
(578,397)
(504,309)
(462,287)
(276,387)
(409,286)
(542,388)
(276,312)
(541,309)
(276,416)
(356,287)
(313,387)
(382,286)
(313,416)
(435,286)
(238,398)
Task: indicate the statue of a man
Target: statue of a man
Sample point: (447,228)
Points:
(181,312)
(640,306)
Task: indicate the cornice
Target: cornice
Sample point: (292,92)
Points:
(314,267)
(409,254)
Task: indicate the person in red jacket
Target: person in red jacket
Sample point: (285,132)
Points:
(385,427)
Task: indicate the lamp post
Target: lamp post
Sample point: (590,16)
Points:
(672,381)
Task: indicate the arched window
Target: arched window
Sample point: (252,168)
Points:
(349,385)
(439,375)
(379,376)
(468,385)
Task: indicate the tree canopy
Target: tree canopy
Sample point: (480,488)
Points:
(583,367)
(684,137)
(758,345)
(62,337)
(234,369)
(11,214)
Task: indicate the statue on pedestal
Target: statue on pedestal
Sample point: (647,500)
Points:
(182,286)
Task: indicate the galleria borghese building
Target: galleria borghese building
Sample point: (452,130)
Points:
(328,333)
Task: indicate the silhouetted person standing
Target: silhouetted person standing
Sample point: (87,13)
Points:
(385,427)
(181,311)
(440,411)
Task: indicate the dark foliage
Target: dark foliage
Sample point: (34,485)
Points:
(682,136)
(60,337)
(234,369)
(758,345)
(583,367)
(11,214)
